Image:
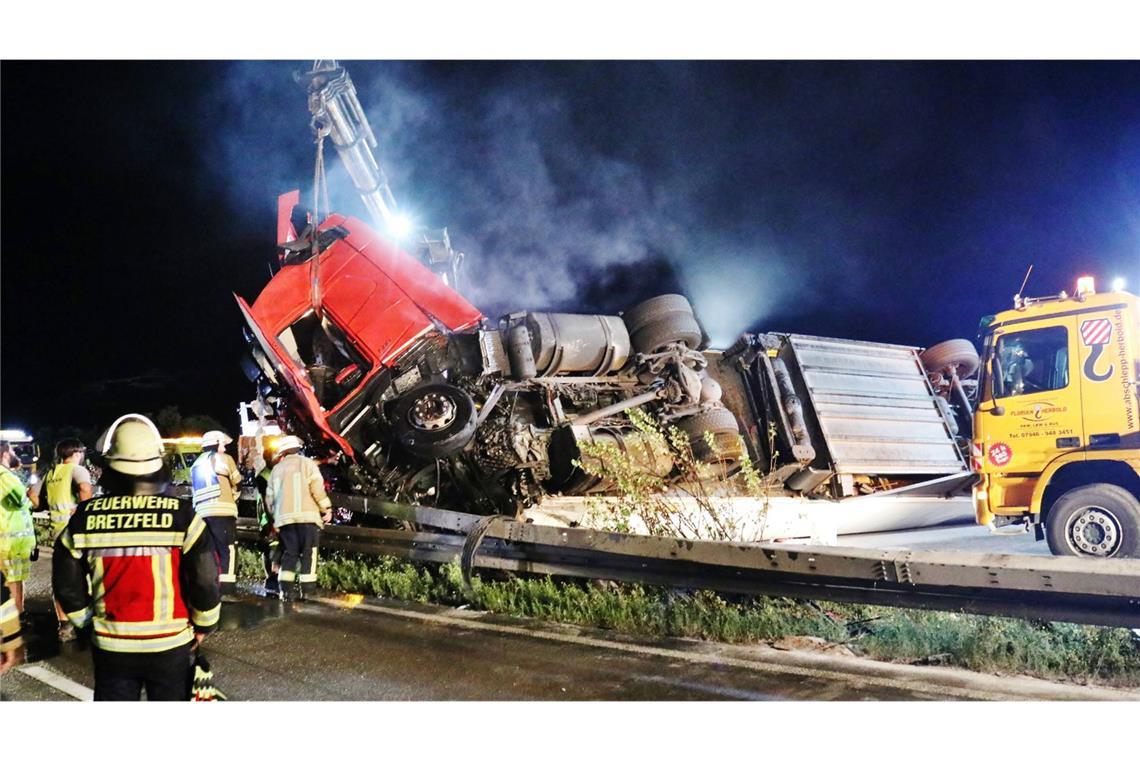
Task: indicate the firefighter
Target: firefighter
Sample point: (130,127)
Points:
(270,538)
(17,534)
(66,484)
(11,645)
(216,481)
(300,508)
(138,569)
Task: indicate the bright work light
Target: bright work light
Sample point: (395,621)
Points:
(1118,284)
(400,226)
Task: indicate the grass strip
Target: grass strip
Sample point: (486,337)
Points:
(1058,651)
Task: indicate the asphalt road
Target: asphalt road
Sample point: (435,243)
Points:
(348,648)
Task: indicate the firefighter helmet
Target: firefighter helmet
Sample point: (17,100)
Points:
(132,445)
(288,443)
(216,438)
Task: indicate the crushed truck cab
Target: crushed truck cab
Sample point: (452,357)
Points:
(1057,429)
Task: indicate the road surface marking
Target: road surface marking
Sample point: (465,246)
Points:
(942,691)
(58,682)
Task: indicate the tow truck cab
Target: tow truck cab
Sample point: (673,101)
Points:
(1057,427)
(180,455)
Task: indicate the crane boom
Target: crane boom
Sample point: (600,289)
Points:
(336,109)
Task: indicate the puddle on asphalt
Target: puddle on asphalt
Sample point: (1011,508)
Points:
(250,610)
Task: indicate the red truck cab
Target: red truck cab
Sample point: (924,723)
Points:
(373,303)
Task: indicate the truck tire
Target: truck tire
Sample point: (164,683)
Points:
(1100,520)
(654,310)
(725,430)
(675,328)
(662,320)
(434,421)
(958,354)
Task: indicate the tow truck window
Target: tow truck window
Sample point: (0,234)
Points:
(1033,361)
(319,347)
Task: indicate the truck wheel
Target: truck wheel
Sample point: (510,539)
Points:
(675,328)
(1100,520)
(958,354)
(435,420)
(655,309)
(662,320)
(725,431)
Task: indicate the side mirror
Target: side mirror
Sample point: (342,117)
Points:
(992,407)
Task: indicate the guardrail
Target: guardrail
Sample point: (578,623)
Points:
(1070,589)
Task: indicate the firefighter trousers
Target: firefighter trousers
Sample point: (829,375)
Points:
(121,676)
(224,532)
(271,559)
(299,543)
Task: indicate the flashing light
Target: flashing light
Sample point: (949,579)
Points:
(400,226)
(14,436)
(1118,284)
(1085,286)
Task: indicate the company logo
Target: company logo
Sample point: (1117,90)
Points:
(1038,411)
(1096,333)
(1000,454)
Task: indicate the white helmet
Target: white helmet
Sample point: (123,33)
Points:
(288,443)
(216,438)
(132,445)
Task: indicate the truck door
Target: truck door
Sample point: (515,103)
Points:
(1106,366)
(1031,409)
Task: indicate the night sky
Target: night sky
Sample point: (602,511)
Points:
(883,201)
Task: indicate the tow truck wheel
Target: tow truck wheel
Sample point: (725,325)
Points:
(958,354)
(1100,520)
(435,420)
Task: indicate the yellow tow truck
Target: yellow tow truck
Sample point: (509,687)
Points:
(180,454)
(1056,439)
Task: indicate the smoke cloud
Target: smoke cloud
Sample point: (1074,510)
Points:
(782,196)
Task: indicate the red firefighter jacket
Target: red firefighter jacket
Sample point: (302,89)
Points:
(151,567)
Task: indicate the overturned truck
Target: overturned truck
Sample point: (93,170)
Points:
(411,394)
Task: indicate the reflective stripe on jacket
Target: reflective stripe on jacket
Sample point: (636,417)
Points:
(17,529)
(296,492)
(140,570)
(9,620)
(215,480)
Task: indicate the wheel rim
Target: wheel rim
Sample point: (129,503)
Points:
(1094,531)
(434,411)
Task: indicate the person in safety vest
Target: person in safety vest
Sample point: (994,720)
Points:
(66,484)
(17,535)
(136,569)
(216,482)
(11,645)
(300,508)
